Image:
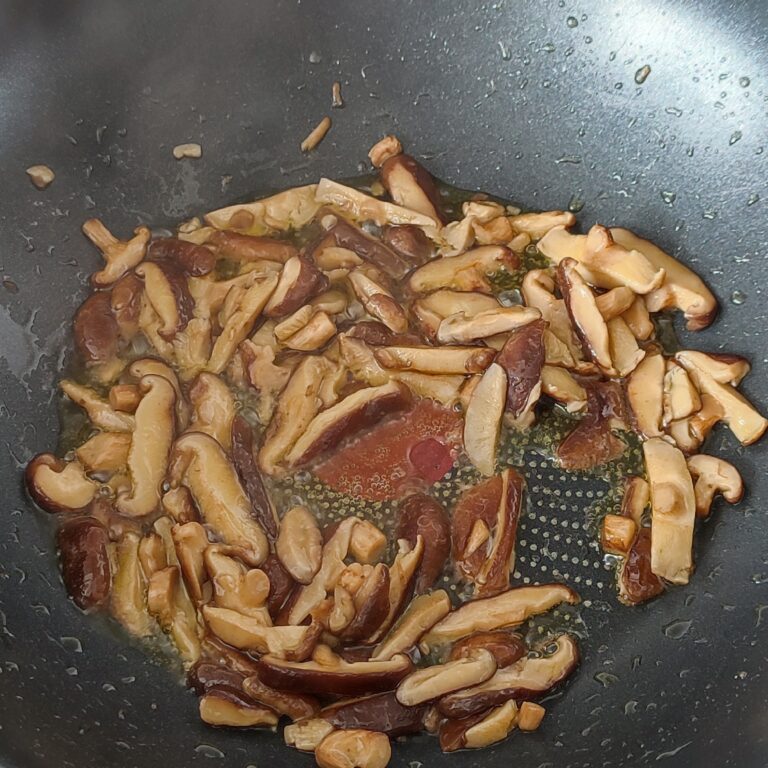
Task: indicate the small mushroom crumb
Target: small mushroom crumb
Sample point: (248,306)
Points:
(385,149)
(336,100)
(193,151)
(41,176)
(316,135)
(530,716)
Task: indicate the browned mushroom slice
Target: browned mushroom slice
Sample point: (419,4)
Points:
(531,677)
(410,242)
(645,393)
(150,447)
(165,286)
(378,302)
(682,288)
(299,544)
(367,543)
(371,603)
(127,602)
(461,329)
(482,422)
(343,678)
(436,360)
(637,582)
(293,705)
(95,329)
(673,510)
(509,609)
(617,532)
(152,554)
(364,207)
(480,730)
(522,358)
(191,542)
(332,257)
(431,310)
(281,585)
(560,385)
(713,476)
(225,707)
(681,398)
(239,247)
(298,404)
(380,711)
(536,225)
(99,411)
(625,353)
(236,587)
(213,409)
(290,209)
(468,272)
(199,462)
(507,647)
(169,603)
(354,413)
(484,531)
(423,612)
(354,748)
(299,281)
(306,735)
(264,376)
(639,320)
(615,302)
(410,185)
(146,366)
(58,486)
(83,545)
(421,515)
(738,413)
(585,315)
(194,259)
(120,256)
(251,634)
(637,495)
(241,322)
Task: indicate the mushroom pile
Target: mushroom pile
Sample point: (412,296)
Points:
(272,336)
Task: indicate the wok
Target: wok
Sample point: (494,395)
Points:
(535,101)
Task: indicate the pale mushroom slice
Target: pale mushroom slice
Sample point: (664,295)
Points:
(467,272)
(290,209)
(509,609)
(458,236)
(168,601)
(682,288)
(99,411)
(560,385)
(460,328)
(673,510)
(411,186)
(298,404)
(588,323)
(645,393)
(637,496)
(435,360)
(241,322)
(639,320)
(378,301)
(482,422)
(150,447)
(431,310)
(213,409)
(145,366)
(536,225)
(299,544)
(120,256)
(236,587)
(681,398)
(316,333)
(625,353)
(355,412)
(58,486)
(366,208)
(199,463)
(738,413)
(615,302)
(712,476)
(601,261)
(299,281)
(104,452)
(127,602)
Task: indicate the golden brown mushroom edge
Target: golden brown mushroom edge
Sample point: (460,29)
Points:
(268,339)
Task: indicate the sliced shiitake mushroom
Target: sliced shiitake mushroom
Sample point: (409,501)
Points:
(294,705)
(712,476)
(168,601)
(99,411)
(119,255)
(645,393)
(58,486)
(225,707)
(468,272)
(213,409)
(522,358)
(165,287)
(299,281)
(127,599)
(236,246)
(83,545)
(480,730)
(482,422)
(378,301)
(460,328)
(435,360)
(299,544)
(637,582)
(506,646)
(410,185)
(380,711)
(431,310)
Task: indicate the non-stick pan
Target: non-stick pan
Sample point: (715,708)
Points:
(538,101)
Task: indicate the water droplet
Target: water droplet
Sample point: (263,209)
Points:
(587,39)
(753,198)
(506,54)
(739,297)
(606,678)
(548,47)
(744,82)
(575,204)
(674,111)
(72,671)
(630,707)
(9,285)
(668,197)
(709,215)
(677,629)
(72,644)
(618,86)
(735,136)
(572,22)
(206,750)
(642,74)
(315,57)
(568,160)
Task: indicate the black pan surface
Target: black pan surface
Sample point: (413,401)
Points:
(536,101)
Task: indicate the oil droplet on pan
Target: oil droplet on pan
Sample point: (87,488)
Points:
(677,629)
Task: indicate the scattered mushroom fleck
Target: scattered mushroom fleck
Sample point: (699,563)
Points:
(253,386)
(41,176)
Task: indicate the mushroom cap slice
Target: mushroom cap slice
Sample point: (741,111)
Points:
(482,422)
(645,394)
(58,486)
(462,329)
(379,711)
(509,609)
(673,510)
(435,360)
(714,475)
(467,272)
(342,678)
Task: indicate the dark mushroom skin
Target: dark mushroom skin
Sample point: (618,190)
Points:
(420,514)
(195,260)
(347,235)
(344,679)
(206,675)
(250,476)
(373,600)
(95,329)
(452,733)
(637,582)
(377,334)
(177,281)
(410,242)
(125,298)
(281,586)
(294,705)
(40,498)
(507,647)
(418,176)
(219,653)
(83,545)
(381,712)
(239,247)
(299,282)
(522,358)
